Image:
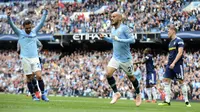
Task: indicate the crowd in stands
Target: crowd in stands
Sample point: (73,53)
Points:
(83,74)
(140,15)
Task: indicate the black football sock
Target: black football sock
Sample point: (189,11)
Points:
(31,89)
(41,85)
(111,81)
(136,86)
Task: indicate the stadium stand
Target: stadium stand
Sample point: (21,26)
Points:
(93,15)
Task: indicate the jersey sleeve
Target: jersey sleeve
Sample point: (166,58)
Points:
(13,26)
(147,58)
(41,23)
(108,39)
(180,43)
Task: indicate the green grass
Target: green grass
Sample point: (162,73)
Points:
(22,103)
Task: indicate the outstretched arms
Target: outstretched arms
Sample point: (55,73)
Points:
(41,23)
(13,26)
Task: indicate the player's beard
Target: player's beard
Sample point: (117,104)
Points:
(115,24)
(28,31)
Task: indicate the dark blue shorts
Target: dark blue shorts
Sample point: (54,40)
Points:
(151,79)
(177,72)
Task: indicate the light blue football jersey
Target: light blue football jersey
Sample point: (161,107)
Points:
(28,42)
(121,47)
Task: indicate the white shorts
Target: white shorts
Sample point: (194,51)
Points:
(30,65)
(127,67)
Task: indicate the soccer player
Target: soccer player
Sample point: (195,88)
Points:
(174,68)
(29,53)
(151,75)
(122,58)
(34,81)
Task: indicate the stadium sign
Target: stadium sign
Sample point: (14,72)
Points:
(94,37)
(87,36)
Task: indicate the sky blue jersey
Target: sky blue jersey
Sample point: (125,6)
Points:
(121,46)
(28,42)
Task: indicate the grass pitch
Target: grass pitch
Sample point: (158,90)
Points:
(22,103)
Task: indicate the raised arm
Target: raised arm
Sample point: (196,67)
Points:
(41,23)
(130,37)
(13,26)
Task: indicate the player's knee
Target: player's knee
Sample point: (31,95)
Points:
(38,75)
(109,72)
(149,86)
(180,81)
(166,80)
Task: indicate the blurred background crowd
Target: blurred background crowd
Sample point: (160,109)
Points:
(92,16)
(83,74)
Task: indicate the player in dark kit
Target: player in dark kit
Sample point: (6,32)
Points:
(151,75)
(174,68)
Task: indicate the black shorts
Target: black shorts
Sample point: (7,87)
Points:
(177,72)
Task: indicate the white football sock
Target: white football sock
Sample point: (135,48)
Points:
(148,90)
(154,93)
(167,90)
(185,92)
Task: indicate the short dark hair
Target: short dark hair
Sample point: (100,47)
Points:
(148,50)
(26,22)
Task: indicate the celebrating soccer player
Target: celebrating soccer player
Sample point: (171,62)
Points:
(29,53)
(34,81)
(121,38)
(174,68)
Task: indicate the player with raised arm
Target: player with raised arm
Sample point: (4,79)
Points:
(174,68)
(150,75)
(121,38)
(29,53)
